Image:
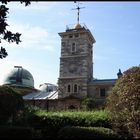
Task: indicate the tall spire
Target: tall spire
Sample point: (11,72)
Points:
(78,10)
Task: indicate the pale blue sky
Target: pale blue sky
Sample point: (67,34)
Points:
(114,25)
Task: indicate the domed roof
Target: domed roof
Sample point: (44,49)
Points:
(77,26)
(47,87)
(19,77)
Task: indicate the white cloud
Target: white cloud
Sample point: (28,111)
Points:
(35,37)
(29,32)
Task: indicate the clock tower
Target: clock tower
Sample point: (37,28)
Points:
(76,65)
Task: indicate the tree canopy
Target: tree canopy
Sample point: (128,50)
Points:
(124,103)
(11,103)
(4,33)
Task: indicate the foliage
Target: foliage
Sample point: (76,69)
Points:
(4,33)
(72,132)
(88,103)
(51,122)
(15,132)
(48,124)
(124,103)
(31,109)
(76,118)
(11,104)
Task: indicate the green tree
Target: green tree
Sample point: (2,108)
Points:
(124,103)
(11,104)
(4,33)
(88,103)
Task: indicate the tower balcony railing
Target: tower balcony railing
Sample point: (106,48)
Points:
(72,26)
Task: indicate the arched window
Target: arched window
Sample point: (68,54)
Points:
(75,88)
(73,47)
(69,87)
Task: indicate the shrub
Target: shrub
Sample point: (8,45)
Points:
(11,103)
(72,132)
(88,104)
(124,103)
(15,132)
(61,119)
(51,122)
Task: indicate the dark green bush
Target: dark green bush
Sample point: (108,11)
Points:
(51,122)
(72,132)
(88,104)
(61,119)
(124,104)
(15,132)
(11,104)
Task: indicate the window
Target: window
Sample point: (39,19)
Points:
(73,47)
(102,92)
(70,36)
(69,88)
(75,88)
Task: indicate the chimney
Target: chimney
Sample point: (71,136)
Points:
(119,74)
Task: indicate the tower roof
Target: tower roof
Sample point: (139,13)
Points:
(77,26)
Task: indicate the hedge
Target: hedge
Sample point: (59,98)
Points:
(61,119)
(72,132)
(15,132)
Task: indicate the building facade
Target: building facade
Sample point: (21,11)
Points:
(76,80)
(76,66)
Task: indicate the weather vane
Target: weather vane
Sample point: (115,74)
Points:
(78,10)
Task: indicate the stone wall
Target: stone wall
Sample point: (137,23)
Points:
(57,104)
(94,90)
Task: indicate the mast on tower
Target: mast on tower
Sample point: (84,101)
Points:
(78,11)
